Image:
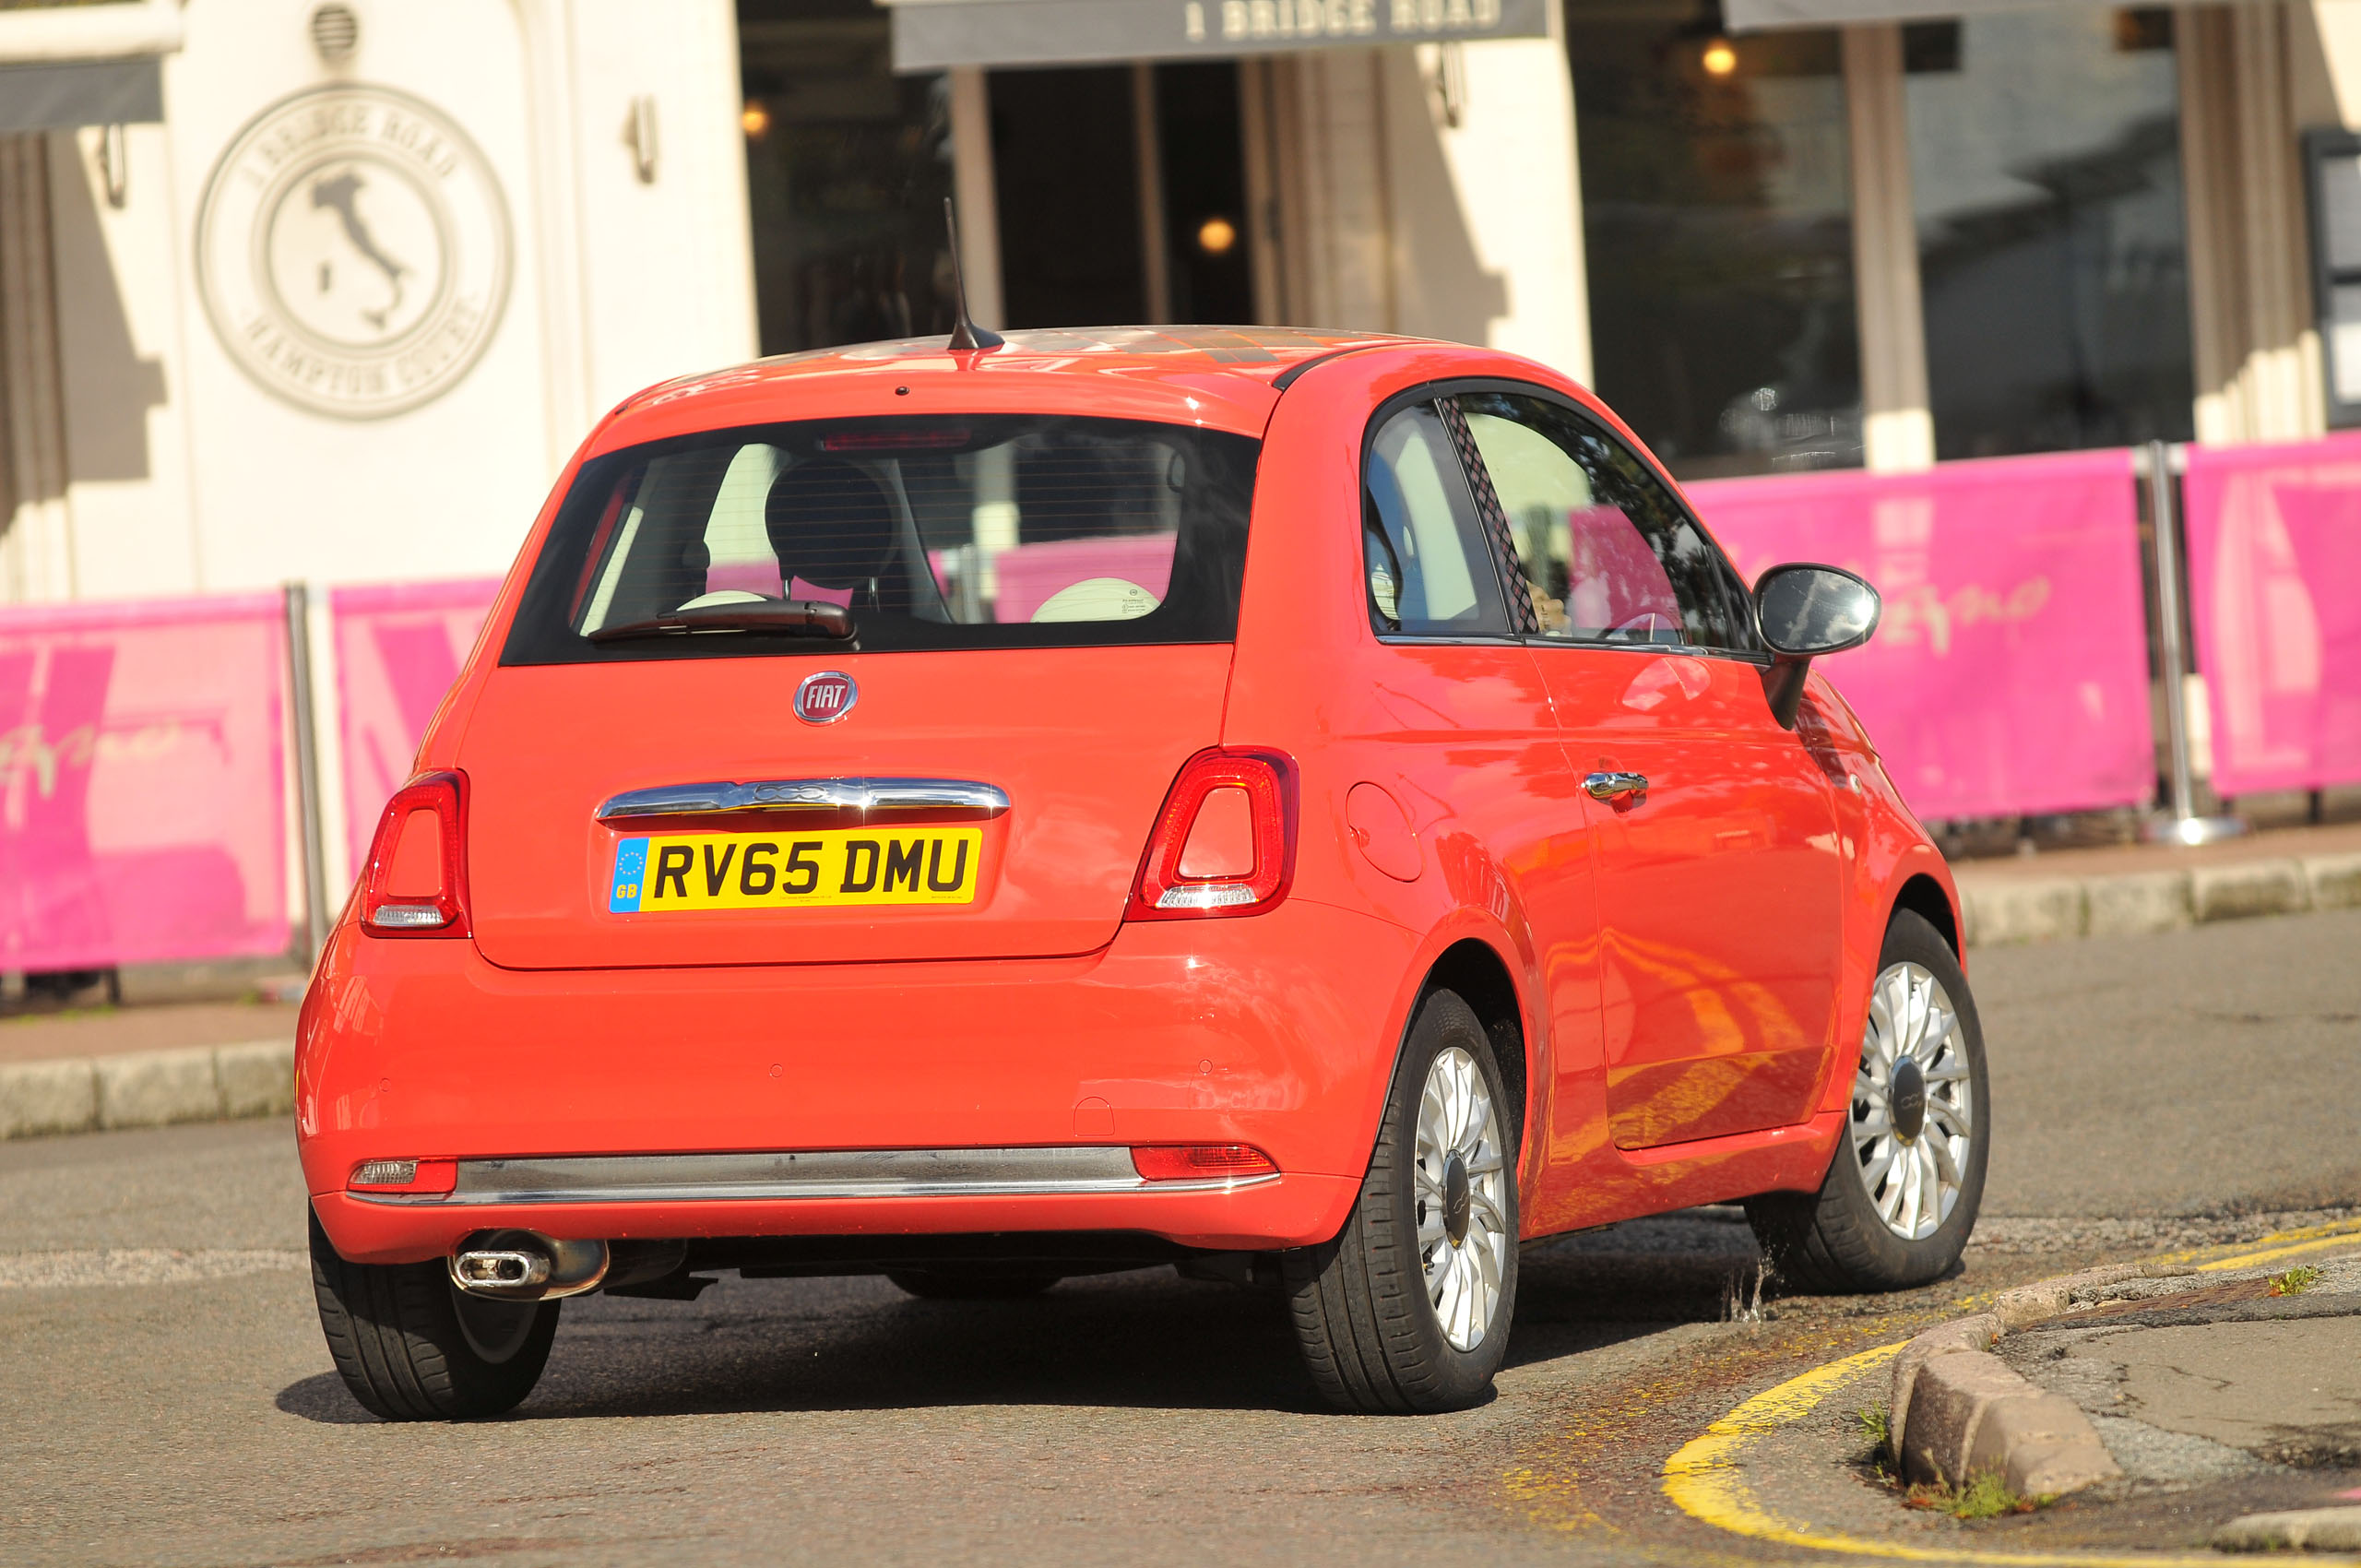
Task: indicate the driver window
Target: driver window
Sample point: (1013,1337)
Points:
(1426,563)
(1608,554)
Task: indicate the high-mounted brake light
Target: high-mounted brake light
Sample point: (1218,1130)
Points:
(1224,843)
(416,884)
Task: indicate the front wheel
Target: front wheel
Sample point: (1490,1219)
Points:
(411,1347)
(1901,1196)
(1408,1307)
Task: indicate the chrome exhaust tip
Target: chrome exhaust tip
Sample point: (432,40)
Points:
(524,1266)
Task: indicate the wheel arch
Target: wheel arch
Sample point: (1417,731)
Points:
(1923,896)
(1475,970)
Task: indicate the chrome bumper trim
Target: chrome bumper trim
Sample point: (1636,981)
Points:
(828,1174)
(869,797)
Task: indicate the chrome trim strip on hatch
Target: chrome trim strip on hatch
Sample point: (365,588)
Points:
(826,1173)
(871,797)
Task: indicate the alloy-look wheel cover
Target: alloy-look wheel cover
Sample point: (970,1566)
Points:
(1913,1113)
(1462,1200)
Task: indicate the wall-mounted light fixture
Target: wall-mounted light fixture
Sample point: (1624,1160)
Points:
(114,166)
(1720,57)
(1450,83)
(639,135)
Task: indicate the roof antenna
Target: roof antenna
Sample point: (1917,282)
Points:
(967,333)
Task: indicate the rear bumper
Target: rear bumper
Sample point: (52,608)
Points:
(1277,1031)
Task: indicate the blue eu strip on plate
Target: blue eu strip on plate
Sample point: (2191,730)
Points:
(631,871)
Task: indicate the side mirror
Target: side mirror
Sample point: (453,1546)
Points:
(1804,612)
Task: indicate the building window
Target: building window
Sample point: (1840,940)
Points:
(1717,212)
(2045,165)
(847,166)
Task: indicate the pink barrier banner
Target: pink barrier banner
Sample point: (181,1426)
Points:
(399,648)
(143,810)
(2274,568)
(2010,675)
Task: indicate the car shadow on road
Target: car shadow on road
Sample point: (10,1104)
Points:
(1144,1339)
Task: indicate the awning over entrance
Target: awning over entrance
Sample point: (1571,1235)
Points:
(929,35)
(64,66)
(1762,15)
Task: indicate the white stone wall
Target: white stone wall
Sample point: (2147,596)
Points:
(186,470)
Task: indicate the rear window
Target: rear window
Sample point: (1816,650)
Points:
(929,533)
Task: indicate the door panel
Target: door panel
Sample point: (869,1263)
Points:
(1719,870)
(1719,894)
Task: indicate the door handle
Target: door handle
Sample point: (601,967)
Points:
(1607,786)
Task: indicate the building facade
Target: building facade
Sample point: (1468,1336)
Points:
(292,290)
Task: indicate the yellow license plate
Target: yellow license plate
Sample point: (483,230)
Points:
(819,869)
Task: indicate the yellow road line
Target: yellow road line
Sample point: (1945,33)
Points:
(1707,1478)
(2279,1244)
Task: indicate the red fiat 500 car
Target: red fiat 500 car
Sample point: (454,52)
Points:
(1318,811)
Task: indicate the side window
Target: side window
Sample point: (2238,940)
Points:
(1426,563)
(1609,555)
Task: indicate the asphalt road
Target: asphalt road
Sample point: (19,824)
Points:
(165,1396)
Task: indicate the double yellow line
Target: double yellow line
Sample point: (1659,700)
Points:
(1707,1477)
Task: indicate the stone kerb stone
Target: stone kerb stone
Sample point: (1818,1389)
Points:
(151,1089)
(146,1088)
(2136,905)
(1959,1411)
(257,1078)
(2334,881)
(2031,910)
(48,1097)
(2259,887)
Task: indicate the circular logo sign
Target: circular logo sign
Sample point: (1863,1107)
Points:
(354,250)
(824,698)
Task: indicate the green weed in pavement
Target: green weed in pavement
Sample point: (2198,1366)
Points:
(1984,1497)
(2295,1281)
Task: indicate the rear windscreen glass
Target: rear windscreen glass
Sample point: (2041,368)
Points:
(940,532)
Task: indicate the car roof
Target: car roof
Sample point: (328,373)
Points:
(1224,376)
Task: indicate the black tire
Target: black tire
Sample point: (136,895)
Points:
(400,1345)
(933,1287)
(1369,1331)
(1834,1242)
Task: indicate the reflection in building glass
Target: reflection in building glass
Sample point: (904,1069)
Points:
(845,177)
(1717,214)
(2045,165)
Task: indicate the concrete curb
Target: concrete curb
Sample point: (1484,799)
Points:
(2001,909)
(2307,1529)
(146,1088)
(1958,1410)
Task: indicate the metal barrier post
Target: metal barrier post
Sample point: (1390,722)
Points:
(307,767)
(2184,825)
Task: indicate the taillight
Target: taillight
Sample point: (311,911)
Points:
(1224,843)
(416,884)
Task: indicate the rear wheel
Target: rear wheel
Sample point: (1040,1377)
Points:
(411,1347)
(1408,1307)
(1901,1196)
(935,1287)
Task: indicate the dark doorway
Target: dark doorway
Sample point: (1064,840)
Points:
(1074,227)
(1065,166)
(1202,159)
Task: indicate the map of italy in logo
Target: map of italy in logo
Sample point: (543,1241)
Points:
(354,251)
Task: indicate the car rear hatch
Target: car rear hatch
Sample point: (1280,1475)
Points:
(674,763)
